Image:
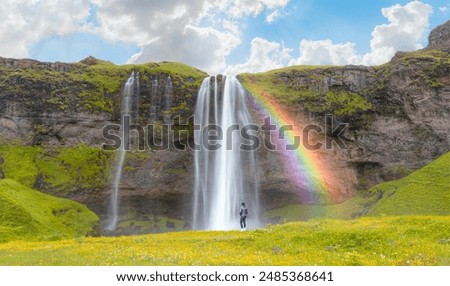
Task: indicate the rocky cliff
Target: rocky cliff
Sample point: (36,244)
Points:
(51,121)
(51,113)
(398,113)
(65,104)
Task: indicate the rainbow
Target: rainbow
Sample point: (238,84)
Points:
(307,171)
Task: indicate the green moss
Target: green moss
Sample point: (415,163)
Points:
(96,101)
(182,70)
(80,167)
(60,170)
(298,68)
(135,159)
(181,108)
(338,102)
(176,171)
(435,83)
(26,214)
(18,163)
(425,54)
(106,76)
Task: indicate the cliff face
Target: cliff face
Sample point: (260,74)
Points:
(439,38)
(398,116)
(51,121)
(398,113)
(65,104)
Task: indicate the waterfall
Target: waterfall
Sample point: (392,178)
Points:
(137,92)
(155,100)
(126,112)
(226,177)
(167,99)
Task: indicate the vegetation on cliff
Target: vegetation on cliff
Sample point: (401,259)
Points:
(355,93)
(57,170)
(90,85)
(303,85)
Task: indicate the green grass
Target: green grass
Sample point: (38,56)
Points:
(297,68)
(423,192)
(276,84)
(18,163)
(91,87)
(300,212)
(130,224)
(26,214)
(58,170)
(407,240)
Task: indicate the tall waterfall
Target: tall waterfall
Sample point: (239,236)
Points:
(226,177)
(126,112)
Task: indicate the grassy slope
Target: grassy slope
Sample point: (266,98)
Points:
(405,240)
(423,192)
(26,214)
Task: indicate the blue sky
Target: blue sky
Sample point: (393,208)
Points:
(218,36)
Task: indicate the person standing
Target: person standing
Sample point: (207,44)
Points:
(243,212)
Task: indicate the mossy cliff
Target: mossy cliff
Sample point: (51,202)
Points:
(65,104)
(52,115)
(51,120)
(397,113)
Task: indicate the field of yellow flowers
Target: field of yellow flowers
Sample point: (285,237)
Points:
(406,240)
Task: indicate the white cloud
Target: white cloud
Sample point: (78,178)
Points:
(241,8)
(24,23)
(406,28)
(444,9)
(143,22)
(272,16)
(201,34)
(264,55)
(169,30)
(205,48)
(404,31)
(326,52)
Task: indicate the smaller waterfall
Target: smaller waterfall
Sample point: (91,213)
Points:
(167,101)
(126,112)
(137,92)
(154,100)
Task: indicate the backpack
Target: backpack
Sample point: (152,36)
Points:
(245,211)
